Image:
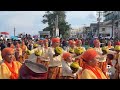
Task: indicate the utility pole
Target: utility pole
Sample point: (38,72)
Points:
(57,21)
(112,26)
(14,31)
(115,15)
(56,26)
(98,19)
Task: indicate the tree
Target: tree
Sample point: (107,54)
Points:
(49,18)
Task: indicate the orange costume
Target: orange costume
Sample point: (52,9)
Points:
(18,53)
(79,43)
(55,65)
(24,54)
(0,56)
(71,46)
(45,59)
(67,68)
(9,70)
(40,42)
(117,66)
(12,46)
(117,72)
(117,62)
(80,61)
(97,48)
(109,46)
(103,67)
(90,72)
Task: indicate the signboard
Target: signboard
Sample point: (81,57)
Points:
(44,33)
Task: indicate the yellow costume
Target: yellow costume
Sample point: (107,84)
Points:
(79,50)
(98,50)
(109,47)
(24,54)
(5,72)
(90,69)
(0,56)
(88,74)
(55,65)
(44,58)
(38,52)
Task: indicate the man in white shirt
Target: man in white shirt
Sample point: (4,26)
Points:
(97,47)
(1,37)
(67,72)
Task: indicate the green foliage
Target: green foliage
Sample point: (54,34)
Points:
(49,18)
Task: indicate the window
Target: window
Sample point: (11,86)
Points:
(103,29)
(94,30)
(116,24)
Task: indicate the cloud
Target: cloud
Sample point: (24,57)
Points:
(79,14)
(79,18)
(91,16)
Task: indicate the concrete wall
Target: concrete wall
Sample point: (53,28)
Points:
(108,30)
(74,32)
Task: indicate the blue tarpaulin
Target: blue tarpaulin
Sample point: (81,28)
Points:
(42,38)
(14,37)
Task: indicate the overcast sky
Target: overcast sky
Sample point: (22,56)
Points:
(30,21)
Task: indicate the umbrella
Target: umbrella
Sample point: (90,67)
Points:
(5,33)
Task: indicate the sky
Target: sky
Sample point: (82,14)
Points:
(30,21)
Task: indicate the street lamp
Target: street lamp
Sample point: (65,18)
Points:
(98,19)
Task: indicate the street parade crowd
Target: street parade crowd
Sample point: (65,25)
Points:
(55,58)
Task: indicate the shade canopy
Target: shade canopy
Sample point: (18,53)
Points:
(5,33)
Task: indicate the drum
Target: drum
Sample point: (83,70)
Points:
(44,61)
(31,70)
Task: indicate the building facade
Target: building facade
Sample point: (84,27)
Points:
(105,31)
(93,29)
(74,33)
(113,18)
(86,32)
